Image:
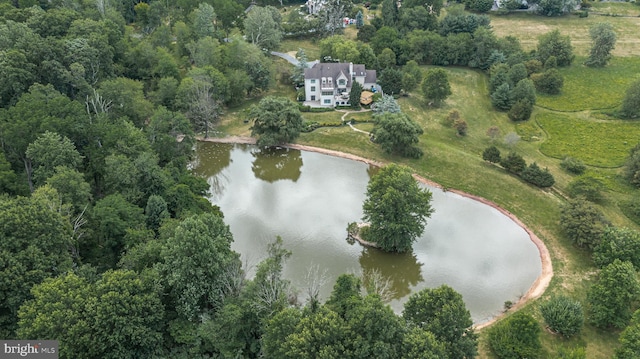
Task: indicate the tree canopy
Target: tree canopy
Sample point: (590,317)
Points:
(276,121)
(397,134)
(396,208)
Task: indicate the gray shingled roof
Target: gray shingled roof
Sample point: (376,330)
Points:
(333,70)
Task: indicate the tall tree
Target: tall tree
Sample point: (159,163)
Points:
(603,40)
(48,151)
(396,208)
(262,27)
(555,44)
(35,245)
(611,296)
(435,86)
(355,94)
(195,261)
(398,134)
(630,339)
(442,312)
(203,21)
(276,120)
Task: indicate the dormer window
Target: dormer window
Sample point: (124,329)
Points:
(342,82)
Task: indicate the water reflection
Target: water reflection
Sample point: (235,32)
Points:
(273,164)
(473,248)
(210,162)
(401,269)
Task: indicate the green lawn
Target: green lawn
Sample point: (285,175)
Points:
(593,88)
(595,142)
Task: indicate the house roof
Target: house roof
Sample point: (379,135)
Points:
(333,70)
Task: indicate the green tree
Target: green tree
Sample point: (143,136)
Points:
(582,223)
(501,97)
(556,7)
(563,315)
(491,154)
(72,188)
(573,165)
(603,40)
(588,187)
(549,82)
(555,44)
(421,344)
(537,176)
(355,94)
(203,21)
(387,58)
(112,218)
(442,312)
(276,120)
(524,90)
(391,81)
(346,295)
(320,334)
(631,103)
(359,20)
(156,212)
(262,27)
(396,208)
(397,134)
(377,331)
(35,245)
(194,264)
(389,13)
(618,243)
(435,86)
(47,152)
(120,316)
(630,339)
(513,163)
(518,336)
(127,100)
(516,73)
(520,111)
(611,296)
(411,76)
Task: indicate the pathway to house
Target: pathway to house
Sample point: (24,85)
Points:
(292,59)
(346,112)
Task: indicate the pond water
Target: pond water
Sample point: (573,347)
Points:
(309,198)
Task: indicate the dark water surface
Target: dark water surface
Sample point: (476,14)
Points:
(309,198)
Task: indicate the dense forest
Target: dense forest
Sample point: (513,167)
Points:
(107,242)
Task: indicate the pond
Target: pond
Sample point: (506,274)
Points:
(308,199)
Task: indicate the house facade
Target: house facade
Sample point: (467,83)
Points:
(329,84)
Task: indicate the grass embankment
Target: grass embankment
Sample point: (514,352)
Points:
(455,161)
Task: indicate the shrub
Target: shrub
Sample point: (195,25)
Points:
(491,154)
(587,187)
(451,118)
(513,163)
(573,165)
(493,132)
(611,296)
(521,111)
(461,127)
(537,176)
(516,337)
(549,82)
(632,166)
(582,223)
(563,315)
(618,243)
(631,209)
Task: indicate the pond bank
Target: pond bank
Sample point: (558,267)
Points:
(536,289)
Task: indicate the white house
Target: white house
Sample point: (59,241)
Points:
(329,84)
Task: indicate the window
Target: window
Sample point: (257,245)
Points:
(327,101)
(313,81)
(313,97)
(342,82)
(313,88)
(327,93)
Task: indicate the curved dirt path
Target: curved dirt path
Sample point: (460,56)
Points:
(539,285)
